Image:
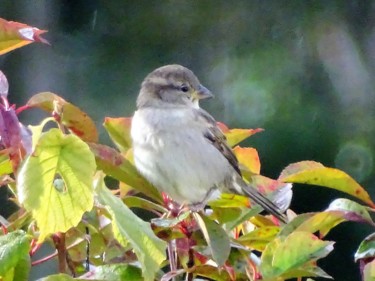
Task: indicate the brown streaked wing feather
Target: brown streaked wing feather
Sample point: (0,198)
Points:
(217,138)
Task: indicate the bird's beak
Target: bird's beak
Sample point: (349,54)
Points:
(202,93)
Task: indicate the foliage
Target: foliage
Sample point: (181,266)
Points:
(57,178)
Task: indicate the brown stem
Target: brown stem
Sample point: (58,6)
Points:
(59,241)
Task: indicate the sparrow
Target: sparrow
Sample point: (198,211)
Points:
(179,148)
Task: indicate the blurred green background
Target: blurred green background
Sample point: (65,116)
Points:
(302,70)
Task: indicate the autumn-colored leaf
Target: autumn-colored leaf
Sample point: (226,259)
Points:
(119,131)
(235,136)
(73,118)
(248,159)
(314,173)
(14,35)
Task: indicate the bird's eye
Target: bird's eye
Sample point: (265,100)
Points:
(184,88)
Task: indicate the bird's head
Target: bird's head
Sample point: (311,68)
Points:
(171,85)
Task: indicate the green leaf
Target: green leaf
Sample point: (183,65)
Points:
(5,165)
(216,238)
(119,131)
(58,158)
(283,255)
(73,118)
(366,249)
(314,173)
(116,272)
(57,277)
(128,228)
(113,164)
(14,255)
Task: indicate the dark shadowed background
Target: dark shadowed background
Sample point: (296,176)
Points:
(302,70)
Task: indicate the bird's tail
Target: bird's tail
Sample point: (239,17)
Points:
(277,204)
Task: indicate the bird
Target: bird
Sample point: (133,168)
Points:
(178,147)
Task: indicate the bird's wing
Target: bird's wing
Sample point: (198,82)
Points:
(216,137)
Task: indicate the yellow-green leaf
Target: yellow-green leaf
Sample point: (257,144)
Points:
(119,131)
(128,228)
(112,163)
(314,173)
(283,255)
(259,238)
(57,158)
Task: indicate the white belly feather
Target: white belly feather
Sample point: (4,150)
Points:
(171,151)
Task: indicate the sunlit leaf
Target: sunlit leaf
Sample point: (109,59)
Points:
(216,238)
(14,255)
(37,131)
(73,118)
(259,238)
(235,136)
(57,156)
(285,254)
(299,248)
(113,164)
(128,228)
(228,200)
(14,35)
(248,159)
(119,131)
(5,165)
(314,173)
